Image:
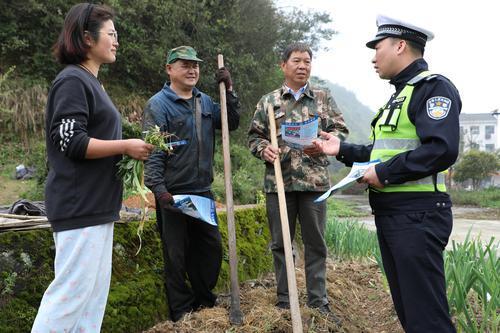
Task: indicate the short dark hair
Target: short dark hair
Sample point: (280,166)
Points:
(416,48)
(70,47)
(295,47)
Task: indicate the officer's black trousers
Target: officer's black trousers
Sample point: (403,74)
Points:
(412,253)
(192,251)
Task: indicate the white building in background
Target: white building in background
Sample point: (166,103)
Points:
(481,131)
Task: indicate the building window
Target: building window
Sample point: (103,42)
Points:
(474,145)
(474,130)
(489,147)
(489,131)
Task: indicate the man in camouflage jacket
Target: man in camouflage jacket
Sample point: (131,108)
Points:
(305,173)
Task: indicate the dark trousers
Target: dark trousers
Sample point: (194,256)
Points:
(192,251)
(412,248)
(312,219)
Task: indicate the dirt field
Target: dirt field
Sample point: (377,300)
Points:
(356,294)
(356,291)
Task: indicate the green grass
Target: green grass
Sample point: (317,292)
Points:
(472,270)
(341,208)
(345,237)
(483,198)
(473,280)
(13,154)
(349,239)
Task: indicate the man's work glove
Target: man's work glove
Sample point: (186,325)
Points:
(223,75)
(166,201)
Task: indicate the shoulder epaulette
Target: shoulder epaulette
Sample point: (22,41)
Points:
(426,75)
(431,77)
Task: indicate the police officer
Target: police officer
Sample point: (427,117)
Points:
(305,173)
(416,137)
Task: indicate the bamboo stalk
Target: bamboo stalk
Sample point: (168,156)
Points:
(22,217)
(235,315)
(285,229)
(21,222)
(23,226)
(33,227)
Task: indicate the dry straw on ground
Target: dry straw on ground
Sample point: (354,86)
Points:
(356,294)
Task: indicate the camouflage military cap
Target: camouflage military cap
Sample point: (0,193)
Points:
(182,52)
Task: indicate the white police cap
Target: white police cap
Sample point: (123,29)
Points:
(389,27)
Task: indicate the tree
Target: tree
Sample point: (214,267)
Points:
(469,139)
(28,30)
(476,165)
(250,34)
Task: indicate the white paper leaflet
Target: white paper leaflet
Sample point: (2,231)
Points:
(357,171)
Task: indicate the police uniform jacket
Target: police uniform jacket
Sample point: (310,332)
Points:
(438,151)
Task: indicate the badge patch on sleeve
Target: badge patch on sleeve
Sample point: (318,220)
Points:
(438,107)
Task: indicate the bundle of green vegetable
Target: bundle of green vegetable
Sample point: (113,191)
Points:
(131,171)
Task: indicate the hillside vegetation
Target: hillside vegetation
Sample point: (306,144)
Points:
(250,35)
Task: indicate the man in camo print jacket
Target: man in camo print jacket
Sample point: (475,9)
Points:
(305,173)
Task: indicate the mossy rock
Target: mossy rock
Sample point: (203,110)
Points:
(137,297)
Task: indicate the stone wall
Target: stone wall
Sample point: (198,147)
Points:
(137,298)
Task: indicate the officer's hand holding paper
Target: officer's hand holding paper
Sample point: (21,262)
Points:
(330,145)
(357,172)
(196,206)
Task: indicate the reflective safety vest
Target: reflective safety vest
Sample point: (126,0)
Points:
(394,133)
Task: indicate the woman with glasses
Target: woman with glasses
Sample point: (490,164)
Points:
(83,194)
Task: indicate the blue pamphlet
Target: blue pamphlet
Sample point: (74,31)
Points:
(196,206)
(300,135)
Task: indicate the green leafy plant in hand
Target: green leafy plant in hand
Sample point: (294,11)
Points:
(131,171)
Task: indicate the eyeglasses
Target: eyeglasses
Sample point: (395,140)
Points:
(112,34)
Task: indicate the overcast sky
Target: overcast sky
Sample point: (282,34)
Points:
(466,46)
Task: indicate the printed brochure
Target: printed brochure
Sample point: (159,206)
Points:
(196,206)
(300,135)
(357,171)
